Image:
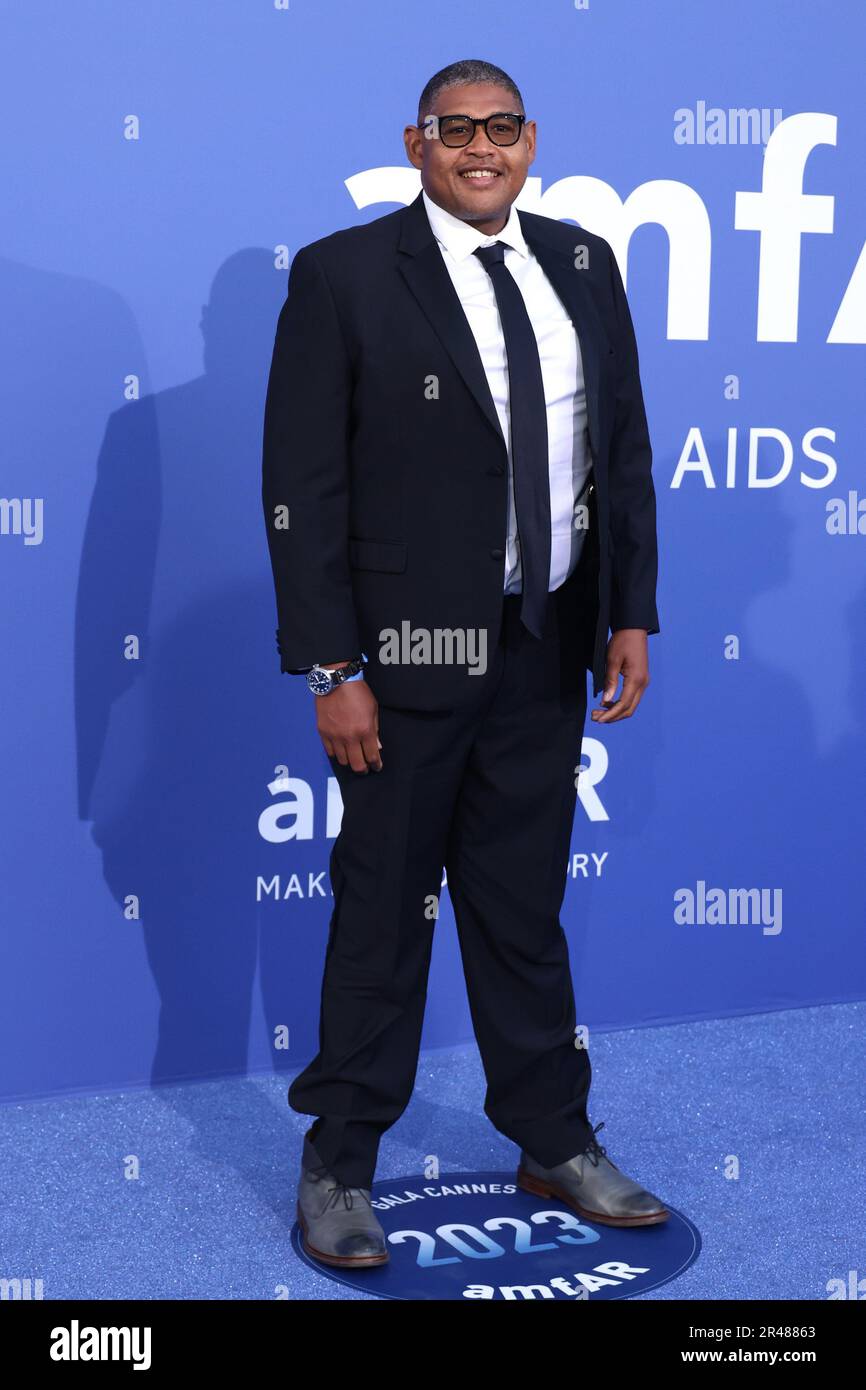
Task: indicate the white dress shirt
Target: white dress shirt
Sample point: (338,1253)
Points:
(569,460)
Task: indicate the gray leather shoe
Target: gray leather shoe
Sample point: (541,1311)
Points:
(593,1186)
(338,1222)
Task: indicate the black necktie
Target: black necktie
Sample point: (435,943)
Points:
(529,458)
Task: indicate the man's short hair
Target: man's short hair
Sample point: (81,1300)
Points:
(458,74)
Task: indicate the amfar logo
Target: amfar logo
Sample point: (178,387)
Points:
(76,1343)
(780,213)
(292,814)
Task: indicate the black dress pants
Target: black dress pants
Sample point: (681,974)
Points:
(488,791)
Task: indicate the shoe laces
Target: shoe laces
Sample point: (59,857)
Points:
(595,1151)
(337,1189)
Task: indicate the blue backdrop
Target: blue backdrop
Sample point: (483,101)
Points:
(168,814)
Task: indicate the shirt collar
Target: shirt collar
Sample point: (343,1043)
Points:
(461,239)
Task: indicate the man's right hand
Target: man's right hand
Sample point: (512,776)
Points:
(348,724)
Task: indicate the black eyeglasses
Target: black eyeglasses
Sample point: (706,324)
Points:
(502,128)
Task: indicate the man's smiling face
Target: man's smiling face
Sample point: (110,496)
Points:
(477,182)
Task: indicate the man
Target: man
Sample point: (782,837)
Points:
(458,495)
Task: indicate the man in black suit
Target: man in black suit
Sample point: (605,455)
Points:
(459,504)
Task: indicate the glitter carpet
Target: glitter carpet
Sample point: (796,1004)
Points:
(188,1191)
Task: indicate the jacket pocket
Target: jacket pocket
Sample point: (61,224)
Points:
(386,556)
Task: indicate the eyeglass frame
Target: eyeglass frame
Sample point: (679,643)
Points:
(475,122)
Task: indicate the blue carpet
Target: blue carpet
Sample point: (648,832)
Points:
(208,1214)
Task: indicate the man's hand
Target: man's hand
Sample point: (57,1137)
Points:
(626,653)
(348,723)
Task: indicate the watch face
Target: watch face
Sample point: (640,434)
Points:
(320,682)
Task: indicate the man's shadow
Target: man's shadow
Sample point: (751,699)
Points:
(177,746)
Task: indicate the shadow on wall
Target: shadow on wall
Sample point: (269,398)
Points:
(175,749)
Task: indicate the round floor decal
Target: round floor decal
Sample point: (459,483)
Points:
(478,1236)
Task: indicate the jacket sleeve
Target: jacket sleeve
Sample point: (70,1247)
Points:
(305,474)
(632,494)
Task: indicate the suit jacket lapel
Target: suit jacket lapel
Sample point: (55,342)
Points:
(420,262)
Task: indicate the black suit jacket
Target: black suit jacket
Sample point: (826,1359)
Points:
(383,451)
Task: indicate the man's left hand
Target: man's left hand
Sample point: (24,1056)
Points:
(626,653)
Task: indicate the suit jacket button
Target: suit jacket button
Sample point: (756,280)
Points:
(497,554)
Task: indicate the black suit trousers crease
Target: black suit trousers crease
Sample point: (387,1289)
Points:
(487,790)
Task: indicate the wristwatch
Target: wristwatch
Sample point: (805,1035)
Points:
(322,682)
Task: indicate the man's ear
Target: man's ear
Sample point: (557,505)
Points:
(410,134)
(530,131)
